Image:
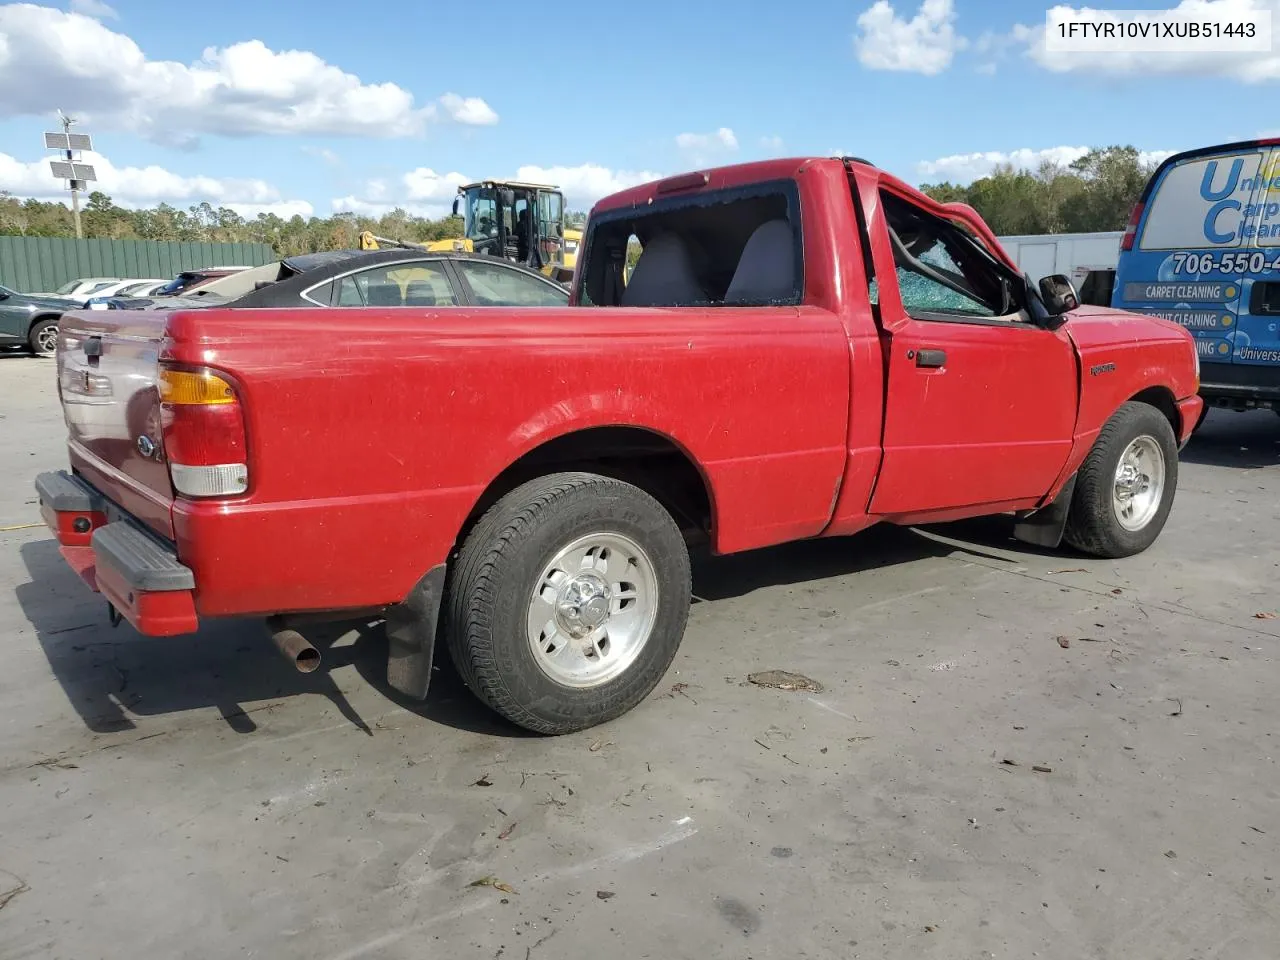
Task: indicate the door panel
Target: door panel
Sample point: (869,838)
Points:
(980,408)
(992,423)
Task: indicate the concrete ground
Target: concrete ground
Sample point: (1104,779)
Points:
(963,787)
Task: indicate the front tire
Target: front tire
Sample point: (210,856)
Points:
(1125,487)
(569,601)
(43,337)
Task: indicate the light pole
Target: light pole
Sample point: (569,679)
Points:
(76,174)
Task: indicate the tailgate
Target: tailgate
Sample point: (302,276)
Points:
(106,381)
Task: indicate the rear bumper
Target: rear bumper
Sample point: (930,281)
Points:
(138,574)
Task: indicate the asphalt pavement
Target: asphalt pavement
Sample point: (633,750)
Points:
(1014,753)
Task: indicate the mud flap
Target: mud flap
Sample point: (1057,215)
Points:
(1043,527)
(411,635)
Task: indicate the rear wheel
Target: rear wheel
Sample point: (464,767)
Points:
(43,337)
(1125,488)
(569,601)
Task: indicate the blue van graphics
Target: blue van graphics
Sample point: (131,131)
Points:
(1203,250)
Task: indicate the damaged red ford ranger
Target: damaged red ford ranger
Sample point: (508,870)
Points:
(803,348)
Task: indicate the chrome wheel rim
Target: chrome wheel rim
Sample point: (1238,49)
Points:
(47,339)
(592,610)
(1139,483)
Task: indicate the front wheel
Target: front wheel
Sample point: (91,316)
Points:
(1124,489)
(43,338)
(569,601)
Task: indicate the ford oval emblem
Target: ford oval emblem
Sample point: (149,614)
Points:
(146,446)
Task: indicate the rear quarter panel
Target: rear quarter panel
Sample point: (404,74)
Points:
(373,433)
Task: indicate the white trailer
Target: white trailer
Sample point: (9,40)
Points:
(1089,259)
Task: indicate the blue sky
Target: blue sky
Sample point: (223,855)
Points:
(380,103)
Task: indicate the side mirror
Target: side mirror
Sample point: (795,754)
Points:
(455,205)
(1059,293)
(3,295)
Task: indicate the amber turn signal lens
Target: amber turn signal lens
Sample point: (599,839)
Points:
(194,389)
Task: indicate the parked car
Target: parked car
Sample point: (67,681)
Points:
(358,278)
(190,279)
(30,320)
(805,348)
(121,288)
(1203,249)
(81,288)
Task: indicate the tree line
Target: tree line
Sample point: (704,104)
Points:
(101,218)
(1094,193)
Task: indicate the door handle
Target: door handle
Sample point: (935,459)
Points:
(931,358)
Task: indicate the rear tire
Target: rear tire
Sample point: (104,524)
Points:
(569,601)
(1125,487)
(43,337)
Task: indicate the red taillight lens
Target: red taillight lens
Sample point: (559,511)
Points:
(1131,231)
(204,433)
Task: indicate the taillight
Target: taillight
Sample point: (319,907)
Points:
(204,434)
(1131,231)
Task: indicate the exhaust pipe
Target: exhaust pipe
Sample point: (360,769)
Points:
(293,646)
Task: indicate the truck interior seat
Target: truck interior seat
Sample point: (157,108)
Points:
(767,268)
(664,275)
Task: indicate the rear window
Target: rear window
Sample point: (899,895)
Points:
(735,247)
(1204,202)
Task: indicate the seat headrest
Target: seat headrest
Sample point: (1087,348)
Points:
(767,268)
(663,276)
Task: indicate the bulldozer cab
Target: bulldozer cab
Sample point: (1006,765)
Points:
(523,222)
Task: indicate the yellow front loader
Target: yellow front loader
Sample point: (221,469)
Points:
(522,222)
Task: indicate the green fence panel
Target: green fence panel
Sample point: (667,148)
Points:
(42,264)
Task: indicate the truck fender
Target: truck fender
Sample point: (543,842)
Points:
(1043,527)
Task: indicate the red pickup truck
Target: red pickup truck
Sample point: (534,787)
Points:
(804,348)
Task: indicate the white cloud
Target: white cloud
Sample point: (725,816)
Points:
(94,8)
(51,59)
(426,193)
(964,168)
(583,185)
(926,43)
(1247,67)
(771,144)
(702,148)
(149,186)
(471,111)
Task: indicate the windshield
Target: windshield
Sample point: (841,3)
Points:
(481,213)
(5,291)
(68,287)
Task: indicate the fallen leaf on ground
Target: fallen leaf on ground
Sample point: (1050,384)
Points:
(483,782)
(1006,762)
(1264,615)
(507,832)
(1040,769)
(784,680)
(605,894)
(492,882)
(1072,570)
(1064,642)
(599,745)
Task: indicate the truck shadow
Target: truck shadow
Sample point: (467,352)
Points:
(110,675)
(1243,440)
